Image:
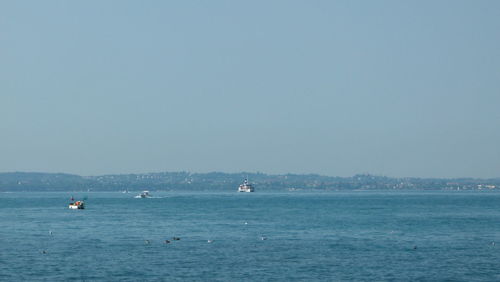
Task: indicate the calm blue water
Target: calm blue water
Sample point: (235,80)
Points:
(361,236)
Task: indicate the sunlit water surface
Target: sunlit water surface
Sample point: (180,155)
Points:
(335,236)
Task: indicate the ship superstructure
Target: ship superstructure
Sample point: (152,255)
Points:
(245,187)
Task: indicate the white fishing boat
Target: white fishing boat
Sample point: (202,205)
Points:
(245,187)
(144,194)
(78,205)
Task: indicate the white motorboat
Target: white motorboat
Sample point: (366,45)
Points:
(144,194)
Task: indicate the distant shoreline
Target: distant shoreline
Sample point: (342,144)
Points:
(219,181)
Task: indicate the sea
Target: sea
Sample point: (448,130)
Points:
(261,236)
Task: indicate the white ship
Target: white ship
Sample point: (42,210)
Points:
(245,187)
(144,194)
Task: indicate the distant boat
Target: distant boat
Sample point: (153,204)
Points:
(78,205)
(245,187)
(144,194)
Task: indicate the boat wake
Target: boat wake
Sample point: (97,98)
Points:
(150,197)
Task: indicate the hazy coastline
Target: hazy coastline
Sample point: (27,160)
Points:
(220,181)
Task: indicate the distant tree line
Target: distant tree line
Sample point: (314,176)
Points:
(219,181)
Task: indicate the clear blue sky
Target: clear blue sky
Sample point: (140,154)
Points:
(396,88)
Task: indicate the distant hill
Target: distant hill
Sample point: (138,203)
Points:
(219,181)
(27,181)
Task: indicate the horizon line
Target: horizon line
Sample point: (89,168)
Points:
(246,172)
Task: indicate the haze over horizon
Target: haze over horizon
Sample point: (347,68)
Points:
(337,88)
(248,174)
